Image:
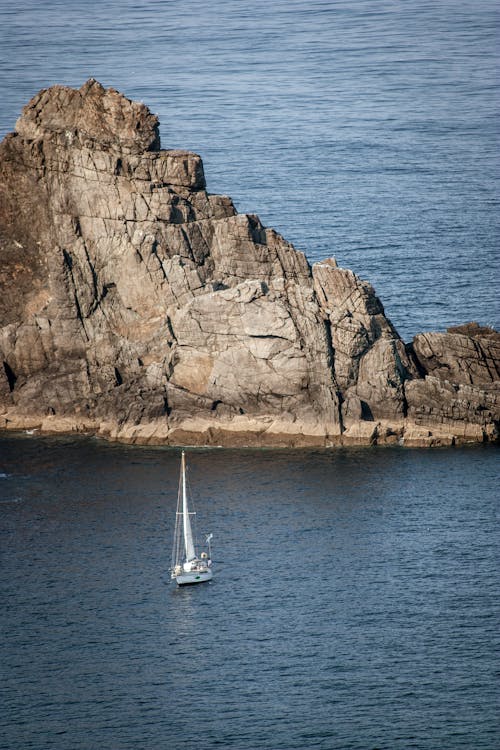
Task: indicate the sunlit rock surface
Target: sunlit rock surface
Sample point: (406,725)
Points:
(138,306)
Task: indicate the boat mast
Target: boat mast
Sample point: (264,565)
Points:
(188,534)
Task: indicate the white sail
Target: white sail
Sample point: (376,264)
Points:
(186,567)
(188,533)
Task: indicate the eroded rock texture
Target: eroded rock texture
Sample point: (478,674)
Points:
(137,305)
(460,390)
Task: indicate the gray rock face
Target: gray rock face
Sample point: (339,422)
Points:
(467,354)
(137,305)
(462,375)
(89,116)
(370,361)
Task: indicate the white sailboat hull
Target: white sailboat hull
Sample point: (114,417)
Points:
(193,576)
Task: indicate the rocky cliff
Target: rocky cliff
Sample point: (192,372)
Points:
(138,306)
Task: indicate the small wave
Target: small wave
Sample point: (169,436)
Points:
(3,475)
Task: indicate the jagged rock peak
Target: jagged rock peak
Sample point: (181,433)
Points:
(92,114)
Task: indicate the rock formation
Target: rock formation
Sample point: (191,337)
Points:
(142,308)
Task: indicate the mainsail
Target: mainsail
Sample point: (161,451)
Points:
(188,533)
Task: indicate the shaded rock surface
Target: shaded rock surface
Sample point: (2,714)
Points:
(137,305)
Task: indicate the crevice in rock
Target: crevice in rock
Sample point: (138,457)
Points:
(118,377)
(79,313)
(154,251)
(404,375)
(340,398)
(95,291)
(481,358)
(404,400)
(166,406)
(410,350)
(106,288)
(68,260)
(262,336)
(170,329)
(10,375)
(366,412)
(331,364)
(76,226)
(330,347)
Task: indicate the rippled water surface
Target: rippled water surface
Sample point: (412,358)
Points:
(356,599)
(365,129)
(355,603)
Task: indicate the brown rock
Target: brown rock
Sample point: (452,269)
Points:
(137,305)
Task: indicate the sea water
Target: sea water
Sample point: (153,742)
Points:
(355,598)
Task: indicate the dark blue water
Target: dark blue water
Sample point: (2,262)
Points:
(356,600)
(367,129)
(355,604)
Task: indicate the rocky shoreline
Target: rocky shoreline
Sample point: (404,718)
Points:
(138,307)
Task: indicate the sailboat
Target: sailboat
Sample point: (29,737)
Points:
(187,567)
